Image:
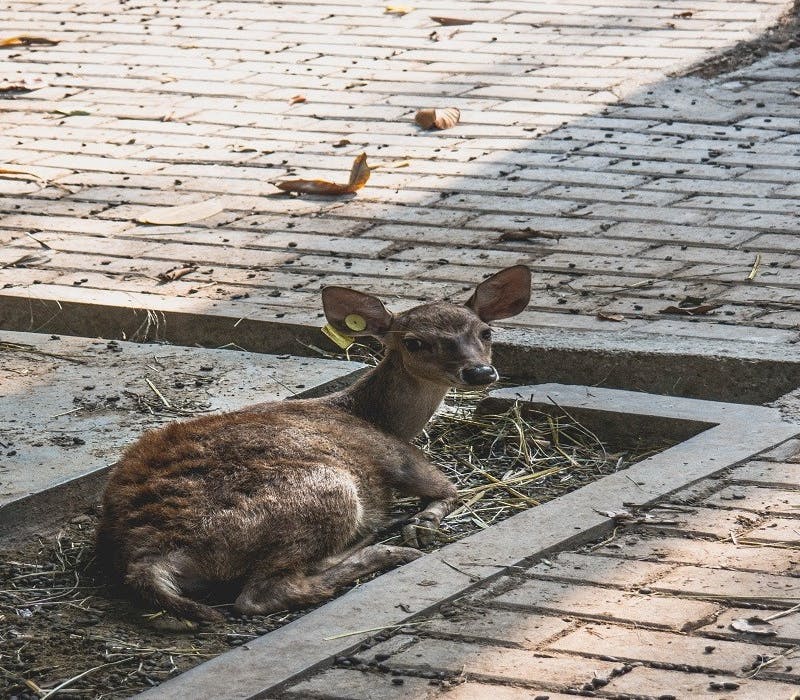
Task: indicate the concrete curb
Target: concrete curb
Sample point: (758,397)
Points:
(264,665)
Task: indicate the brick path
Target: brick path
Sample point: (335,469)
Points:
(646,613)
(660,188)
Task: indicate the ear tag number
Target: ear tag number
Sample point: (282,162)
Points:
(355,322)
(342,340)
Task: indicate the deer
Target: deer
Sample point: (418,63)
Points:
(280,503)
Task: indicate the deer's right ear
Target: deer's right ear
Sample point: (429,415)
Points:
(355,313)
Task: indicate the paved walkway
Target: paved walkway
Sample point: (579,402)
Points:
(638,190)
(701,602)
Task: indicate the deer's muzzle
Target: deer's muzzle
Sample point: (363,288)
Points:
(480,375)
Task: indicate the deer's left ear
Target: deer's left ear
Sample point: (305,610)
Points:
(505,293)
(355,313)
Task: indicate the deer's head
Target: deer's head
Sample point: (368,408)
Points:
(440,342)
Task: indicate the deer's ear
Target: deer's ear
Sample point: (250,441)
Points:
(355,313)
(504,294)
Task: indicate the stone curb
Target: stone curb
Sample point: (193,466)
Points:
(263,666)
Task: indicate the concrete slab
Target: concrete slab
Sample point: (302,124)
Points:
(70,405)
(268,664)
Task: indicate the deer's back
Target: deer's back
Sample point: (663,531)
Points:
(293,481)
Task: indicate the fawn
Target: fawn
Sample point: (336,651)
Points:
(281,501)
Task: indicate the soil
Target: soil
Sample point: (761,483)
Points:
(61,626)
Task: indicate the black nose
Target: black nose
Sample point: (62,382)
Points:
(479,375)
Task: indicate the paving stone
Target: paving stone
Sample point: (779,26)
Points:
(598,569)
(772,560)
(361,685)
(783,629)
(756,498)
(607,604)
(778,530)
(510,665)
(659,683)
(523,629)
(715,522)
(663,647)
(730,585)
(786,474)
(482,691)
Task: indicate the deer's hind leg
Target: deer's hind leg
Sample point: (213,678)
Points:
(274,592)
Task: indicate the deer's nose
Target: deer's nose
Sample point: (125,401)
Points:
(479,375)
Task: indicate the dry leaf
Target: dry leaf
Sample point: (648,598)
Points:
(297,99)
(23,85)
(437,118)
(239,148)
(25,40)
(397,10)
(683,15)
(526,234)
(176,273)
(452,21)
(359,174)
(605,316)
(27,260)
(690,310)
(753,625)
(182,214)
(20,174)
(73,113)
(341,143)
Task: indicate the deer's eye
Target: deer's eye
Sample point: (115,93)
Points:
(413,344)
(486,334)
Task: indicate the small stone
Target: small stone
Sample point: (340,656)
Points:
(397,681)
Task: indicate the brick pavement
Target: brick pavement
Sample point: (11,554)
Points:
(660,188)
(650,612)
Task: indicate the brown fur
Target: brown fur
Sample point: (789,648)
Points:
(279,500)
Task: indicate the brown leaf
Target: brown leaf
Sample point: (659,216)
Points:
(690,310)
(22,85)
(20,174)
(176,273)
(27,260)
(438,118)
(341,143)
(182,214)
(527,234)
(452,21)
(605,316)
(359,174)
(297,99)
(753,625)
(25,40)
(683,15)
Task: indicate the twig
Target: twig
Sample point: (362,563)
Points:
(158,393)
(69,681)
(373,629)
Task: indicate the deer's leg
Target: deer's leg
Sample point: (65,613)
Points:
(418,477)
(261,596)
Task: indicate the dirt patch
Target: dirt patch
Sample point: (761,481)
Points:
(61,626)
(782,36)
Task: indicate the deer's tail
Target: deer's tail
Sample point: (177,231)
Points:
(154,580)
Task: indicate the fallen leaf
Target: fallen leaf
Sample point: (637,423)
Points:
(182,214)
(605,316)
(452,21)
(20,174)
(23,85)
(239,148)
(176,273)
(437,118)
(25,40)
(526,234)
(297,99)
(359,174)
(27,260)
(753,625)
(683,15)
(73,113)
(397,10)
(341,143)
(690,310)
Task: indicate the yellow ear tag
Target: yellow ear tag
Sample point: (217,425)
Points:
(342,340)
(355,322)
